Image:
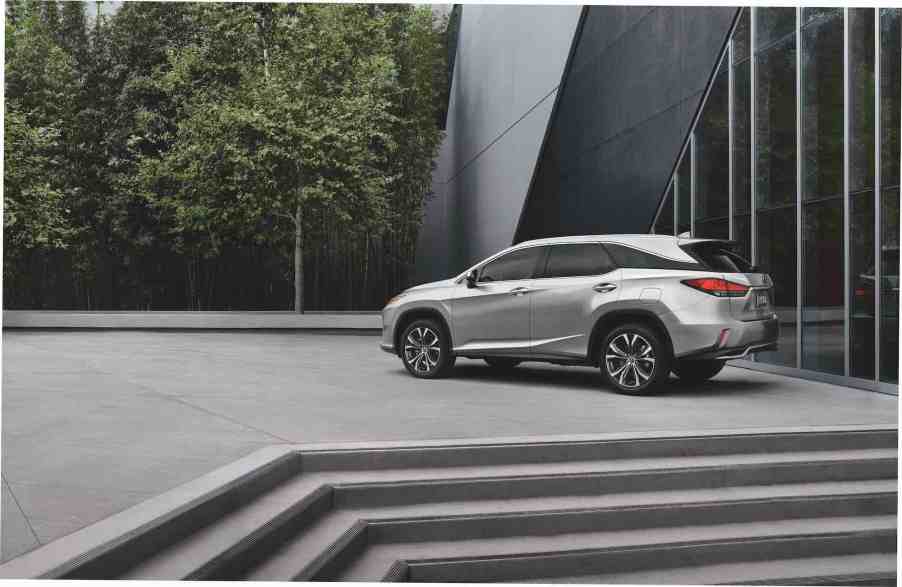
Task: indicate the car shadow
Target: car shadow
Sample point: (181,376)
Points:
(587,377)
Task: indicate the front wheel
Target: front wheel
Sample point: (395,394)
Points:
(426,349)
(698,370)
(635,359)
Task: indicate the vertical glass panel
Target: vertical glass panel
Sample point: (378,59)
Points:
(809,14)
(822,283)
(684,192)
(773,23)
(664,223)
(822,107)
(861,99)
(823,305)
(742,138)
(889,95)
(775,181)
(742,37)
(712,187)
(777,256)
(775,125)
(889,286)
(890,68)
(742,231)
(863,296)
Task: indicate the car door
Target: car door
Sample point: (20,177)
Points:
(577,279)
(493,316)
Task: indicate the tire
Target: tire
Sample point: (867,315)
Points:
(426,349)
(650,355)
(697,371)
(503,363)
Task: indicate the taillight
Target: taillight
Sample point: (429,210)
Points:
(718,287)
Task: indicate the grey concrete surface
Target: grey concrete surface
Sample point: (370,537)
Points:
(96,421)
(191,319)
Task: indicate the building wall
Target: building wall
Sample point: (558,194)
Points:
(637,78)
(508,66)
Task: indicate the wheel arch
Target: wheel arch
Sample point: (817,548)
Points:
(610,320)
(412,314)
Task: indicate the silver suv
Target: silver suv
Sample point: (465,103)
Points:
(637,306)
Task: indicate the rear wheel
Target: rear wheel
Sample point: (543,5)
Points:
(501,362)
(426,349)
(698,370)
(635,359)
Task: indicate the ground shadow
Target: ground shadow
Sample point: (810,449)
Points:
(590,378)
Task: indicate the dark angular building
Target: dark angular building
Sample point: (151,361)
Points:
(775,127)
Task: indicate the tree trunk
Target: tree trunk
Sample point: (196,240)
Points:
(298,263)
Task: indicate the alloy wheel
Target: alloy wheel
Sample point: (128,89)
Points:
(422,349)
(630,360)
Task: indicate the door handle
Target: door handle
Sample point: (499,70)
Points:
(519,291)
(604,287)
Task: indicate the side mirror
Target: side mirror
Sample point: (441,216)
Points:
(471,279)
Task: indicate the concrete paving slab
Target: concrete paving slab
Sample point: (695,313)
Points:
(18,537)
(119,414)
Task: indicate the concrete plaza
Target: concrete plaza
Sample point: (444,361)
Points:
(97,421)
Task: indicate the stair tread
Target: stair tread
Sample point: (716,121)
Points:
(297,553)
(185,556)
(772,570)
(377,559)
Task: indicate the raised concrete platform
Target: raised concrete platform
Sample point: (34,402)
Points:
(772,506)
(96,421)
(193,320)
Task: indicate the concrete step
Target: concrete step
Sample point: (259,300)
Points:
(211,551)
(444,457)
(598,555)
(303,557)
(855,569)
(338,512)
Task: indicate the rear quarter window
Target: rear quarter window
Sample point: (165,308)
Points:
(630,258)
(719,257)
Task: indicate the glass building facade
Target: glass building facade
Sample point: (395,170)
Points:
(795,155)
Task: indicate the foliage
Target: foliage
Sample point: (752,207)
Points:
(183,130)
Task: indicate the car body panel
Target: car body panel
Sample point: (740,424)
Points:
(565,309)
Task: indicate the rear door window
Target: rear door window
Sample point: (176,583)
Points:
(572,260)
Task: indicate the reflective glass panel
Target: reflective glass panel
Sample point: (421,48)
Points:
(889,287)
(862,295)
(684,192)
(741,38)
(861,99)
(742,138)
(890,68)
(712,164)
(775,125)
(772,24)
(822,107)
(664,223)
(823,303)
(775,182)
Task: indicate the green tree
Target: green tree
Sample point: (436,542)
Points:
(40,85)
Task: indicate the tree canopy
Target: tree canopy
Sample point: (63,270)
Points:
(180,133)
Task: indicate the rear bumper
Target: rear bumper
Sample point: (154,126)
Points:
(744,338)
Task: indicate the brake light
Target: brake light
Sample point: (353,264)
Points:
(718,287)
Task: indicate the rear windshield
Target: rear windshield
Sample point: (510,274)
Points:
(718,256)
